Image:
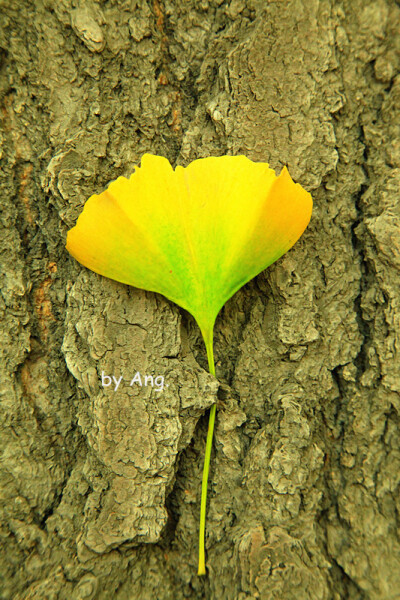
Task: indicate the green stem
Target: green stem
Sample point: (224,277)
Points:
(202,565)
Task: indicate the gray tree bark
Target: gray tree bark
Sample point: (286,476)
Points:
(100,489)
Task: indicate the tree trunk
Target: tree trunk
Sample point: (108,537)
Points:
(101,486)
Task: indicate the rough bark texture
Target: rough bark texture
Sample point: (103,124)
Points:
(100,489)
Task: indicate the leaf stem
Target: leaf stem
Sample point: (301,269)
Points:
(202,566)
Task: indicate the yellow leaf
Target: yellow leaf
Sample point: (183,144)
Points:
(194,234)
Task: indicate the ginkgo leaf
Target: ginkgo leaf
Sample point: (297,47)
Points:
(194,234)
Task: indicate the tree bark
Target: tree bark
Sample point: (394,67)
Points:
(100,487)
